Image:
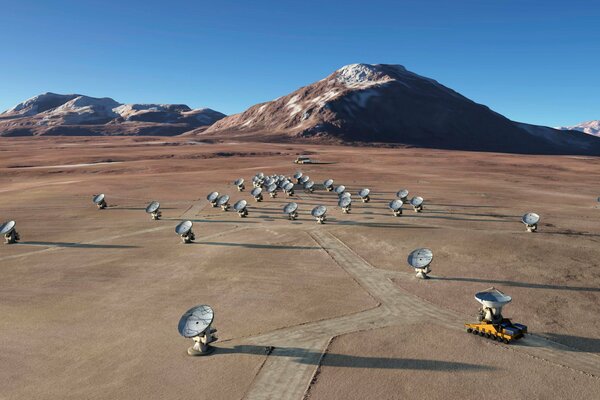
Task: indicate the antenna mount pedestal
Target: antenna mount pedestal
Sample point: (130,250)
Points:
(11,237)
(202,343)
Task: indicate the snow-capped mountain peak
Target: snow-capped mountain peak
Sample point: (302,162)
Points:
(589,127)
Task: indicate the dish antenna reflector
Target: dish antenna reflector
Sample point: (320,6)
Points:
(10,234)
(304,179)
(212,198)
(319,213)
(257,194)
(241,206)
(196,323)
(492,301)
(291,209)
(396,207)
(223,202)
(289,189)
(240,184)
(402,194)
(420,259)
(184,230)
(309,186)
(297,176)
(154,210)
(364,195)
(328,184)
(531,221)
(99,201)
(417,203)
(272,190)
(340,189)
(345,203)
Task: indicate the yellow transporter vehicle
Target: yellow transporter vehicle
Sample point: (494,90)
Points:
(302,160)
(491,323)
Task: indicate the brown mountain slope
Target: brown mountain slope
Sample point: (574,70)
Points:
(386,103)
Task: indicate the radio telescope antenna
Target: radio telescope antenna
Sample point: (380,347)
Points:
(241,206)
(272,189)
(212,198)
(7,229)
(328,185)
(364,195)
(154,210)
(319,214)
(420,259)
(240,184)
(417,203)
(223,202)
(396,207)
(345,203)
(196,324)
(297,176)
(257,194)
(531,221)
(289,189)
(309,186)
(492,301)
(291,209)
(99,201)
(402,194)
(340,190)
(184,230)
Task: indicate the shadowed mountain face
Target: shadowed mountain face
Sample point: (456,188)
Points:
(73,114)
(386,103)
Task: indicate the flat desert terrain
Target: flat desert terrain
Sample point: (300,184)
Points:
(90,299)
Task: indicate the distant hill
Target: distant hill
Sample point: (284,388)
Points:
(589,127)
(364,103)
(74,114)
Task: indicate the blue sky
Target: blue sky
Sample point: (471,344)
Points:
(533,61)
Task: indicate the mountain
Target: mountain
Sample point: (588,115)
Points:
(365,103)
(74,114)
(589,127)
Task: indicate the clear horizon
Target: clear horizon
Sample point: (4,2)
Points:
(533,63)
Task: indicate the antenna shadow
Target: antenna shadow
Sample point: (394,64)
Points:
(78,245)
(304,356)
(261,246)
(520,284)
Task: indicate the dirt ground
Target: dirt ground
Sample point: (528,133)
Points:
(90,299)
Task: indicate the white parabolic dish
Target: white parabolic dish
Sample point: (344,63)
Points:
(240,205)
(290,208)
(238,182)
(340,189)
(416,201)
(364,192)
(183,227)
(531,218)
(298,175)
(7,227)
(345,202)
(420,258)
(256,191)
(153,206)
(223,199)
(318,211)
(98,198)
(402,193)
(212,196)
(329,183)
(492,298)
(396,204)
(195,321)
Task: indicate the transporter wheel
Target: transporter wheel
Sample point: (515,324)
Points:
(469,330)
(487,335)
(481,333)
(475,332)
(506,341)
